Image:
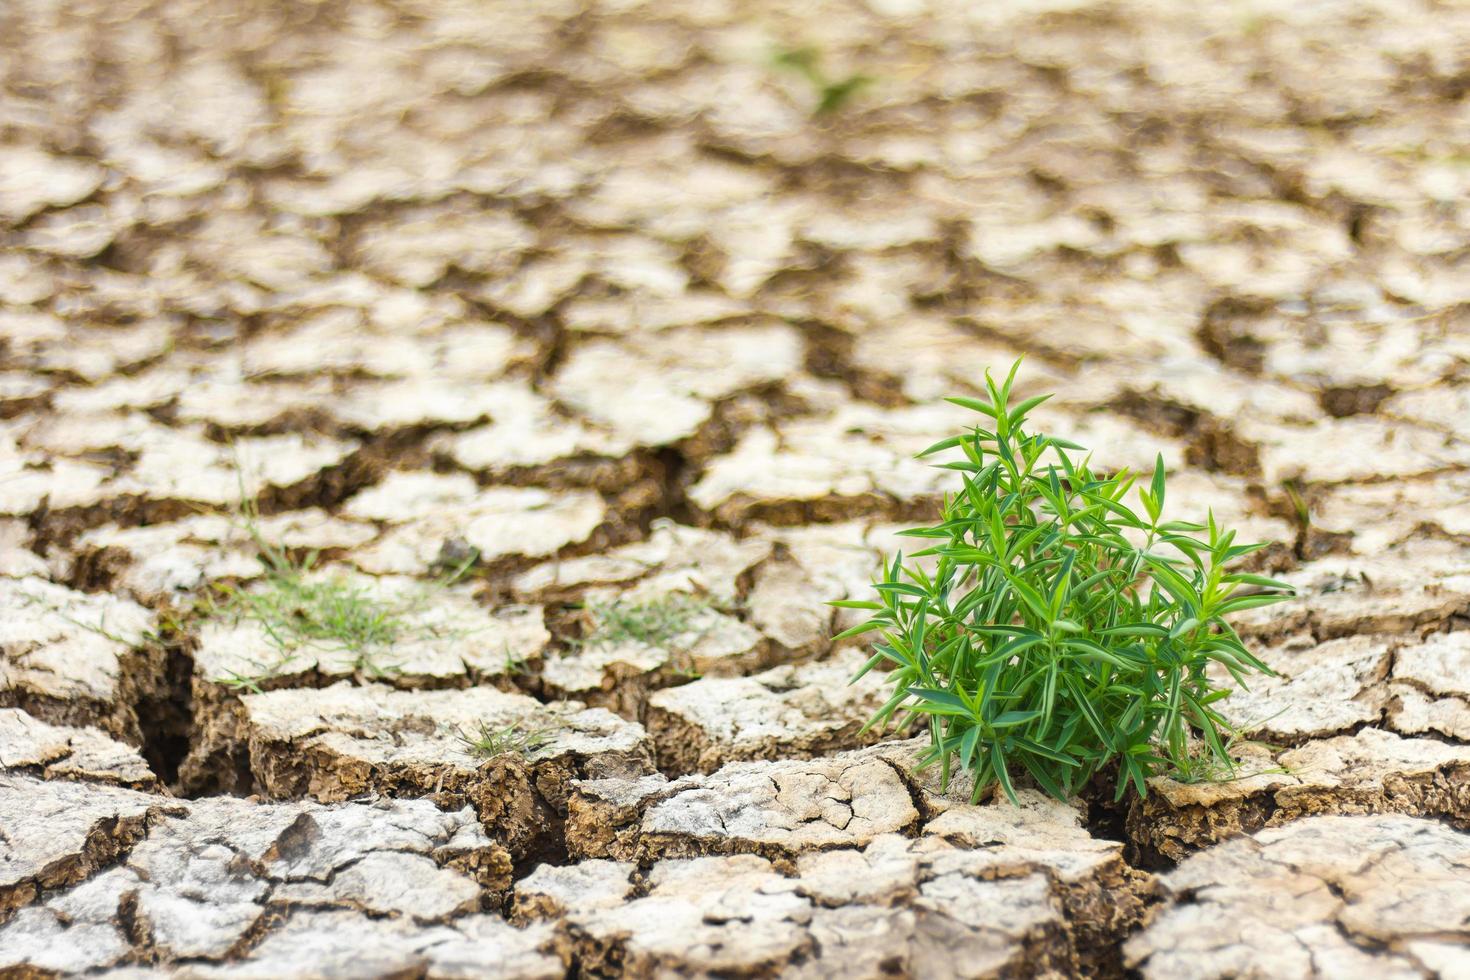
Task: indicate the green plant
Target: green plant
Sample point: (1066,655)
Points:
(487,741)
(1057,630)
(832,94)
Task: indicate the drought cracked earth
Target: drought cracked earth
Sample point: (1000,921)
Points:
(580,298)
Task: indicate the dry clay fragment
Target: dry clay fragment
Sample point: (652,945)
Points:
(421,512)
(675,557)
(525,432)
(1321,689)
(1016,888)
(212,872)
(737,915)
(31,181)
(1430,687)
(1371,772)
(172,469)
(338,742)
(56,752)
(790,712)
(60,832)
(74,658)
(860,458)
(1369,897)
(550,891)
(659,389)
(350,945)
(1415,587)
(159,563)
(777,809)
(436,637)
(1382,449)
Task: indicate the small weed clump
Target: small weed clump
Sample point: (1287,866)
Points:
(486,741)
(297,607)
(674,622)
(656,622)
(1056,630)
(832,94)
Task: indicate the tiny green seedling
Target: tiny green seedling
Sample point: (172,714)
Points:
(1059,630)
(486,741)
(297,608)
(832,94)
(656,622)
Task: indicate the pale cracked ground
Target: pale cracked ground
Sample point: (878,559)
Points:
(582,288)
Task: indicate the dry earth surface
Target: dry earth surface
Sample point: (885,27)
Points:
(583,301)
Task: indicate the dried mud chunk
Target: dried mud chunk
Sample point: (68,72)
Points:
(35,480)
(550,892)
(995,928)
(679,558)
(338,340)
(1371,772)
(58,832)
(643,641)
(1417,586)
(337,742)
(73,657)
(1380,516)
(422,511)
(795,711)
(31,181)
(17,560)
(334,944)
(162,563)
(213,872)
(1431,687)
(859,458)
(404,631)
(1380,450)
(1439,665)
(525,431)
(778,809)
(1321,689)
(1412,712)
(419,246)
(897,906)
(56,752)
(1294,901)
(812,566)
(181,465)
(658,390)
(713,916)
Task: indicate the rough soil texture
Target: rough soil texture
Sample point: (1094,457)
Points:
(570,357)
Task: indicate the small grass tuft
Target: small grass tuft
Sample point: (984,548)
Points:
(656,622)
(832,94)
(1059,630)
(297,607)
(486,741)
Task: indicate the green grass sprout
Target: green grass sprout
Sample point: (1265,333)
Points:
(486,741)
(832,94)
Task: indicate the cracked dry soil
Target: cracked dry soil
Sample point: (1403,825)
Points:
(586,293)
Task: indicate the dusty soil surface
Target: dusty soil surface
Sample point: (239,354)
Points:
(596,309)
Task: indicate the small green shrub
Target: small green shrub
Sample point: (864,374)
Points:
(1058,630)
